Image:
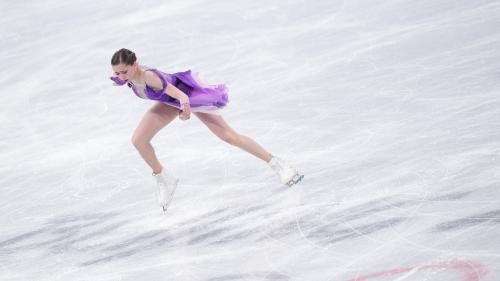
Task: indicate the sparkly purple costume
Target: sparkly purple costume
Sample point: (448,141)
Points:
(202,97)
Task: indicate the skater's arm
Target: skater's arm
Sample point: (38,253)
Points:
(174,92)
(185,110)
(154,81)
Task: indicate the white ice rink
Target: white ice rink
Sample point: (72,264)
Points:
(391,109)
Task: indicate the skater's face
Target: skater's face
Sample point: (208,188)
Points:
(125,72)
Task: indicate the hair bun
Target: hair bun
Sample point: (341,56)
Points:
(124,56)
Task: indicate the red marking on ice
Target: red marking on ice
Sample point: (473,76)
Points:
(471,271)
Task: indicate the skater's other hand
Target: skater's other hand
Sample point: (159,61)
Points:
(185,112)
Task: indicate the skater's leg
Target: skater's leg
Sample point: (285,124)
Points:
(221,129)
(154,119)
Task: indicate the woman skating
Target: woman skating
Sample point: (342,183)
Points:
(180,94)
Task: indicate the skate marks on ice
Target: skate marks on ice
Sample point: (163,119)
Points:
(61,233)
(108,236)
(256,276)
(465,270)
(487,218)
(68,235)
(101,238)
(326,225)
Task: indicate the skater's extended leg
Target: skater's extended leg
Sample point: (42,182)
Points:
(154,119)
(221,129)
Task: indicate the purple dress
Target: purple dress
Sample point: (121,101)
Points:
(202,97)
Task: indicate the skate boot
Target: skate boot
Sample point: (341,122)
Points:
(166,187)
(288,175)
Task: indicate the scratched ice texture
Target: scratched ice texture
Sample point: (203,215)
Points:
(391,109)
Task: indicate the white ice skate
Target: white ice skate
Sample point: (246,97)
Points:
(288,175)
(166,188)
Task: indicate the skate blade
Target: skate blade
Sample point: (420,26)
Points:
(296,179)
(165,207)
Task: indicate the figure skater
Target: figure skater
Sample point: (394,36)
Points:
(180,94)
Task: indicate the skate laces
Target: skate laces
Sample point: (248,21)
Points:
(165,179)
(160,178)
(278,166)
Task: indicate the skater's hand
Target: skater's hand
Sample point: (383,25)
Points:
(117,81)
(185,112)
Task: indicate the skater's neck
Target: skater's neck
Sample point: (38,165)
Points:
(139,76)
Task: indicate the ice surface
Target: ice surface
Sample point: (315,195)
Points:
(390,108)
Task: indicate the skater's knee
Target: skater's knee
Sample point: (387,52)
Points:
(139,142)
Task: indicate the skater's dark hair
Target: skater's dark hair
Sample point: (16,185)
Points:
(124,56)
